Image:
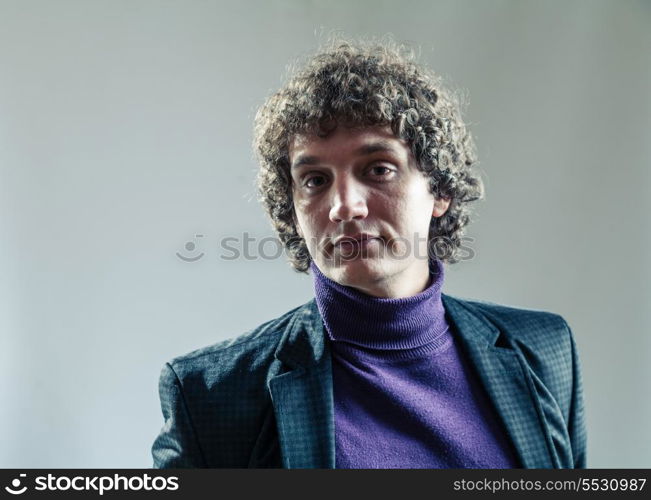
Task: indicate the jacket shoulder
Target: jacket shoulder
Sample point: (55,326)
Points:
(519,325)
(248,352)
(215,400)
(543,339)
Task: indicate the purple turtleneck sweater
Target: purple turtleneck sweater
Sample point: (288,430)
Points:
(404,393)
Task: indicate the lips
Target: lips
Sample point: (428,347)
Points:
(355,239)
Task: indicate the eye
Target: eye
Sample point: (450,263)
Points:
(314,181)
(381,172)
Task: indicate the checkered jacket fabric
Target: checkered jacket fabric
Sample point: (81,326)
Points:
(265,399)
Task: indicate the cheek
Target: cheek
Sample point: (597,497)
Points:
(423,217)
(300,211)
(299,229)
(306,220)
(414,213)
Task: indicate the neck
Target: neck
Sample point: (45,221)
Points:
(406,286)
(352,316)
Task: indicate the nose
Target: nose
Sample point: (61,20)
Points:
(348,201)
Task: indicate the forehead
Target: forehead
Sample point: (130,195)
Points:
(345,142)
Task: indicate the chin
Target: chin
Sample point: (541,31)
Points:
(359,273)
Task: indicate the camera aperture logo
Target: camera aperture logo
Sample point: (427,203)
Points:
(100,484)
(15,488)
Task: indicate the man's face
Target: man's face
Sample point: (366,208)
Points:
(364,209)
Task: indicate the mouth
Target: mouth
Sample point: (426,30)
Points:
(354,239)
(351,244)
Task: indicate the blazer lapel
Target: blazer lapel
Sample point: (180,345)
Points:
(302,397)
(507,382)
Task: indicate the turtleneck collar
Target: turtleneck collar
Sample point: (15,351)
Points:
(381,323)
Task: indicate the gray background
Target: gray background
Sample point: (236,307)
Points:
(125,129)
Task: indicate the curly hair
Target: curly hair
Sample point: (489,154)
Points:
(368,84)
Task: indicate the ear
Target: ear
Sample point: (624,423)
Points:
(441,206)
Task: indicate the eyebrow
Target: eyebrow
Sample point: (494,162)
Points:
(364,150)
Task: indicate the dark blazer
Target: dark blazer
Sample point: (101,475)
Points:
(265,399)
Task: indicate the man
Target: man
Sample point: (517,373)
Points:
(367,175)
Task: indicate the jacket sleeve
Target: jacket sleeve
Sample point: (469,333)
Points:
(177,445)
(576,421)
